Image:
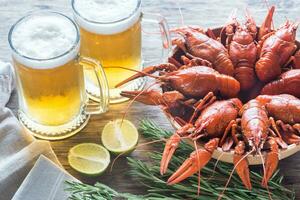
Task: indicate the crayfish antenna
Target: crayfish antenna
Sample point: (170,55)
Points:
(145,72)
(180,13)
(137,96)
(138,146)
(250,24)
(215,165)
(229,26)
(199,171)
(149,97)
(123,117)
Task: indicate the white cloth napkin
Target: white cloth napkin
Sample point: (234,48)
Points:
(18,149)
(18,153)
(44,182)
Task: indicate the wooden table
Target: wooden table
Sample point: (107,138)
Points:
(205,13)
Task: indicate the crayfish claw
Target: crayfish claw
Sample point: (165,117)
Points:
(169,150)
(271,161)
(172,145)
(241,164)
(193,164)
(197,160)
(266,25)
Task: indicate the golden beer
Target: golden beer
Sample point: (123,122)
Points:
(53,103)
(52,96)
(120,49)
(111,33)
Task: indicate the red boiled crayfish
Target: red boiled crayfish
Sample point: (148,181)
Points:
(214,123)
(256,132)
(275,50)
(195,81)
(242,50)
(197,44)
(259,131)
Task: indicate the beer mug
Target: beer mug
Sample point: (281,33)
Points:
(50,76)
(111,32)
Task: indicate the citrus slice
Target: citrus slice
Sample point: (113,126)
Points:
(119,137)
(89,158)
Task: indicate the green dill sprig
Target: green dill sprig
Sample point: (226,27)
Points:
(82,191)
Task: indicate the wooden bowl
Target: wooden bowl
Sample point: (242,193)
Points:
(228,156)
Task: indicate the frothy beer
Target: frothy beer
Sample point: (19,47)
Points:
(111,33)
(45,52)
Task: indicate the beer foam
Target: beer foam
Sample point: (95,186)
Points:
(106,16)
(42,39)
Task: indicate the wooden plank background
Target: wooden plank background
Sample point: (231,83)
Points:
(205,13)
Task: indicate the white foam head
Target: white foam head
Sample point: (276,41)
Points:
(44,40)
(106,16)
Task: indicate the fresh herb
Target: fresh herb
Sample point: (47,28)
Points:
(81,191)
(213,178)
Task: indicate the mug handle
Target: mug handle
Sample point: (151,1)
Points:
(93,107)
(164,33)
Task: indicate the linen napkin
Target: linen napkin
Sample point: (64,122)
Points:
(18,149)
(18,153)
(44,182)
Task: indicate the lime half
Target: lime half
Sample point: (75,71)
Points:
(119,137)
(89,158)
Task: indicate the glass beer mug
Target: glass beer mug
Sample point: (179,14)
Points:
(111,32)
(50,76)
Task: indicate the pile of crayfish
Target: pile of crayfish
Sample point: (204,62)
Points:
(236,87)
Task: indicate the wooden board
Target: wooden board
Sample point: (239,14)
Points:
(201,12)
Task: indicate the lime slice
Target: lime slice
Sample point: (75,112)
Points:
(89,158)
(119,137)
